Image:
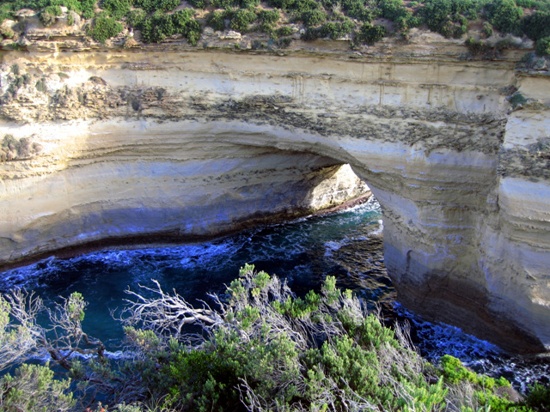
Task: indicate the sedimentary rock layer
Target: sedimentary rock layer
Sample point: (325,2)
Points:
(198,143)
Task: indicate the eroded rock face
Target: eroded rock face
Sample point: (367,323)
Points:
(197,143)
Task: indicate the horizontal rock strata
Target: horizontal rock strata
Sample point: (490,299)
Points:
(198,143)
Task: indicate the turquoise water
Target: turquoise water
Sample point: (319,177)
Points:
(346,244)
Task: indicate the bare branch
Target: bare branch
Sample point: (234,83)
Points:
(166,314)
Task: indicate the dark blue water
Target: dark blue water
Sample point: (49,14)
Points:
(346,244)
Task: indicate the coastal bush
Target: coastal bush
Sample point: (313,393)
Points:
(361,10)
(248,4)
(543,46)
(284,31)
(117,9)
(313,18)
(136,17)
(370,34)
(157,27)
(160,25)
(104,27)
(449,17)
(536,25)
(260,348)
(487,29)
(538,397)
(301,6)
(393,9)
(33,388)
(151,6)
(337,30)
(49,14)
(268,20)
(517,100)
(84,7)
(269,16)
(480,48)
(436,14)
(199,4)
(241,19)
(504,15)
(216,20)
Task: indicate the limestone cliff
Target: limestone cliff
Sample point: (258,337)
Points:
(184,143)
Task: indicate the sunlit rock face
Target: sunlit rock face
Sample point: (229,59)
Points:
(196,143)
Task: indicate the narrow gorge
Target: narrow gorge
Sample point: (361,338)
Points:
(166,142)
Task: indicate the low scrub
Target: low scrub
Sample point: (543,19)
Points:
(257,348)
(104,27)
(319,19)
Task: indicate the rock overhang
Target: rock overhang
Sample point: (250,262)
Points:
(431,138)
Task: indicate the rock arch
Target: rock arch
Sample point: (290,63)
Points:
(163,146)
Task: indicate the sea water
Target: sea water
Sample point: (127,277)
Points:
(346,244)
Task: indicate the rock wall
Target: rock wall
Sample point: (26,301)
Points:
(192,143)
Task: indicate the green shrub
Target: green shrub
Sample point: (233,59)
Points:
(536,25)
(336,30)
(33,388)
(199,4)
(159,26)
(392,9)
(87,8)
(262,349)
(449,17)
(436,14)
(49,14)
(408,21)
(216,20)
(517,99)
(312,18)
(157,5)
(301,6)
(104,27)
(538,397)
(136,18)
(370,34)
(505,15)
(281,4)
(284,31)
(269,16)
(543,46)
(84,8)
(476,47)
(486,389)
(357,9)
(241,20)
(117,9)
(185,24)
(248,4)
(268,19)
(487,29)
(224,4)
(283,42)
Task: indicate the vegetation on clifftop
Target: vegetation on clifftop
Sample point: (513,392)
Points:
(260,349)
(359,21)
